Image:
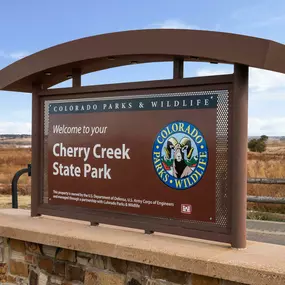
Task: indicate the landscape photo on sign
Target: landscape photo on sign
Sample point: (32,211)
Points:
(180,155)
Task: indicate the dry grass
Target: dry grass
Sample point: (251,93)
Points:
(270,164)
(11,161)
(23,201)
(266,166)
(267,216)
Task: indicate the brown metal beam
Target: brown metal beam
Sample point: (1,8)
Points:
(214,81)
(143,46)
(36,150)
(178,68)
(239,155)
(76,77)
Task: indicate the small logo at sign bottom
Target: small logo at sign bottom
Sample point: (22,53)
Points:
(186,209)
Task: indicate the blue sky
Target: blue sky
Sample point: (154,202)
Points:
(30,26)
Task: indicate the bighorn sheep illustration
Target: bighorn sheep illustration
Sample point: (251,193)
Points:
(178,157)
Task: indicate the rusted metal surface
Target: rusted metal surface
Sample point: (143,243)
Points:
(53,65)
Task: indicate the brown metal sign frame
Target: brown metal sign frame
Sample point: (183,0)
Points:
(38,72)
(149,224)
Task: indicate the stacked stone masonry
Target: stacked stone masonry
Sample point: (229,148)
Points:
(34,264)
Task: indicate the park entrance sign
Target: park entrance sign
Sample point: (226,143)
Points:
(166,156)
(150,155)
(155,158)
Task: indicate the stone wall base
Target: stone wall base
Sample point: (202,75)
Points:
(36,264)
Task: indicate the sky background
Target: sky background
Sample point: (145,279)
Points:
(30,26)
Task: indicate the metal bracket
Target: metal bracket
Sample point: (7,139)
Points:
(15,184)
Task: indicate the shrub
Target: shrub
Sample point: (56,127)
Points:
(264,138)
(258,145)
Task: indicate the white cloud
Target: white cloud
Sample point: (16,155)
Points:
(259,80)
(266,95)
(218,27)
(2,53)
(209,72)
(257,17)
(178,24)
(14,55)
(246,12)
(18,55)
(19,114)
(263,80)
(15,128)
(269,126)
(173,24)
(266,22)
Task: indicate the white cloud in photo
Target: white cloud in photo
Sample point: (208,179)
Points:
(15,127)
(274,126)
(210,72)
(19,115)
(173,24)
(264,80)
(258,16)
(259,80)
(266,98)
(13,55)
(269,21)
(178,24)
(18,55)
(2,53)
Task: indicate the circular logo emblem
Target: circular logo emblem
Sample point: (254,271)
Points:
(180,155)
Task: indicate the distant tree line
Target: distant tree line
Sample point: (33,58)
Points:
(11,136)
(258,145)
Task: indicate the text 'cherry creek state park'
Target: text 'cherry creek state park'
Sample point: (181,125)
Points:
(121,152)
(100,152)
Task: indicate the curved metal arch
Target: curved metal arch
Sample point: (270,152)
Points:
(122,48)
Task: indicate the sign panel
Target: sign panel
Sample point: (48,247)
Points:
(147,155)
